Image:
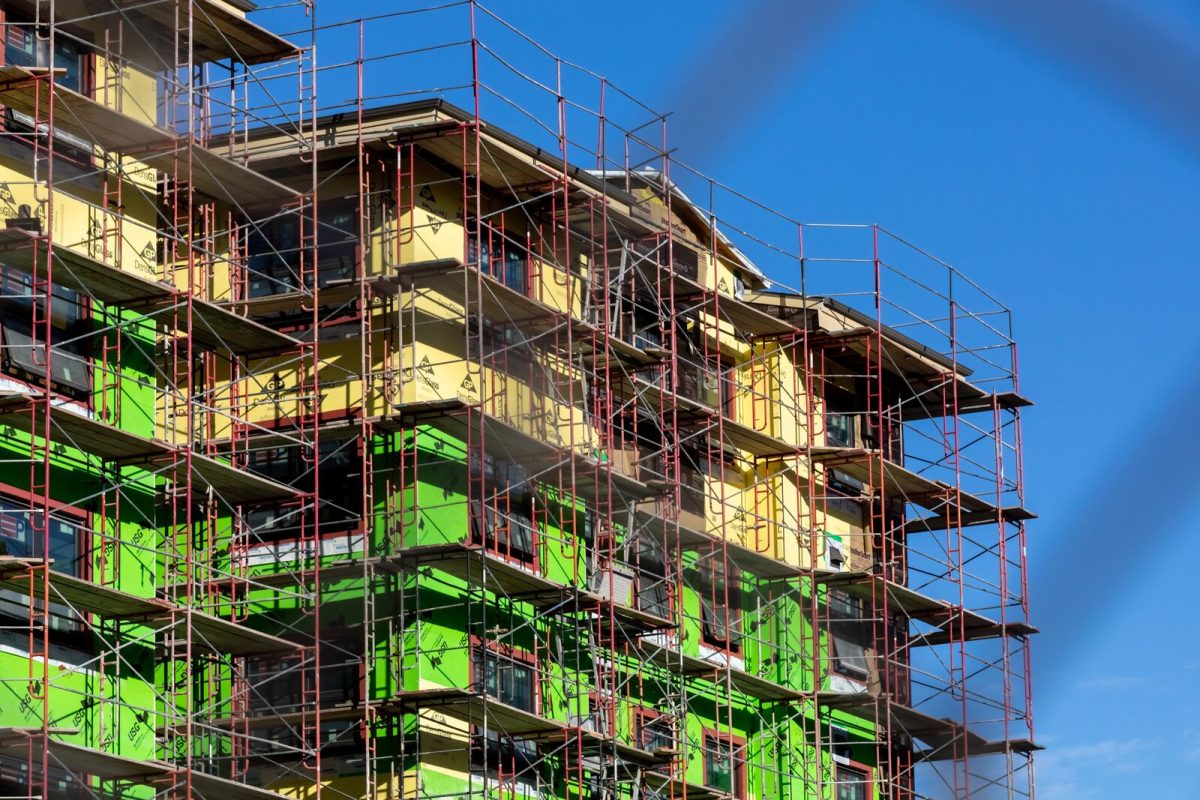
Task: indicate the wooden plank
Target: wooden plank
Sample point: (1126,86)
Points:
(757,443)
(935,732)
(537,455)
(942,523)
(941,614)
(504,305)
(213,326)
(677,662)
(868,465)
(975,630)
(762,565)
(89,598)
(468,706)
(669,786)
(217,32)
(224,636)
(234,486)
(475,564)
(22,575)
(24,89)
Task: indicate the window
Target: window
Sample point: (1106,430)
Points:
(277,680)
(728,389)
(891,443)
(652,593)
(693,489)
(499,256)
(646,317)
(340,471)
(851,783)
(839,429)
(19,539)
(844,496)
(507,678)
(511,678)
(70,339)
(850,634)
(504,347)
(503,521)
(724,768)
(720,605)
(275,248)
(839,417)
(28,45)
(652,731)
(276,684)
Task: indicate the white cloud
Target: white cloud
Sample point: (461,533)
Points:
(1077,772)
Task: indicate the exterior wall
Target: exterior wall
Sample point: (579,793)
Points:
(97,703)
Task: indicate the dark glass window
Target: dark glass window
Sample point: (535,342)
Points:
(506,679)
(851,783)
(693,489)
(503,520)
(728,390)
(70,339)
(844,495)
(839,416)
(720,605)
(850,634)
(277,680)
(18,538)
(499,256)
(839,429)
(654,731)
(340,471)
(724,769)
(647,315)
(652,590)
(275,248)
(27,45)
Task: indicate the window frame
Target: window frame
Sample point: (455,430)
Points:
(276,666)
(643,716)
(481,241)
(727,388)
(838,663)
(261,535)
(479,510)
(81,38)
(282,274)
(723,598)
(73,628)
(866,772)
(641,573)
(481,648)
(75,336)
(736,745)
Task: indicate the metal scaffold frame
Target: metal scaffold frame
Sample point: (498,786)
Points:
(776,528)
(145,170)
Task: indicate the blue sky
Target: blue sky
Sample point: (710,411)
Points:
(1079,211)
(1072,205)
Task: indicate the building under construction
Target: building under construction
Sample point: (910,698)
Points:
(386,414)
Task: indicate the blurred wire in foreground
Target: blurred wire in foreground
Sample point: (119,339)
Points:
(743,64)
(1117,47)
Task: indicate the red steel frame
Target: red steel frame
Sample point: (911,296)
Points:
(616,415)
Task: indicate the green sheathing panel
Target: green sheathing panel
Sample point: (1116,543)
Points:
(428,623)
(101,673)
